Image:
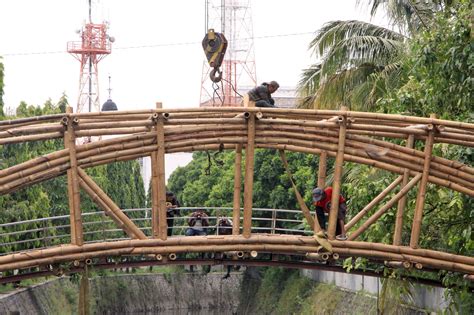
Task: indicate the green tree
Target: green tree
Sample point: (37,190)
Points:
(358,61)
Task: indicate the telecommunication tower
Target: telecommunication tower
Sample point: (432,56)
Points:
(95,45)
(233,18)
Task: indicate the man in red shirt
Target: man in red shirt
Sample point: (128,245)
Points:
(322,201)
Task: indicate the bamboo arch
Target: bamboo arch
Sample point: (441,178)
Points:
(359,137)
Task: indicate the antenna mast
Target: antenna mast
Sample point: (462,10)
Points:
(233,18)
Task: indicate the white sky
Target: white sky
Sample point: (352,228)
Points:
(161,72)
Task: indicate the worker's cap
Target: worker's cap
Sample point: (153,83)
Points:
(274,84)
(317,194)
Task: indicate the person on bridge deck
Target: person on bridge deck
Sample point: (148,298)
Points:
(224,226)
(322,201)
(261,95)
(198,222)
(172,205)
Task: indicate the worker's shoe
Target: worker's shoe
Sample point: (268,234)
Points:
(341,237)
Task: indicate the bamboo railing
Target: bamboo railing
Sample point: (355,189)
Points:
(387,142)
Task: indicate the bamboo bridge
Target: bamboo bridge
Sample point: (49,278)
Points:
(357,137)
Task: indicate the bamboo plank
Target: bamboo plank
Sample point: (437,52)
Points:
(249,173)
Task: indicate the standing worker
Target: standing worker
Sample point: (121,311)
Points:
(261,95)
(172,210)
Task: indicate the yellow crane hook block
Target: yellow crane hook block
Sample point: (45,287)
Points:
(214,45)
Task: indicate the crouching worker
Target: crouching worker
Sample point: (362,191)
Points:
(322,201)
(261,95)
(198,223)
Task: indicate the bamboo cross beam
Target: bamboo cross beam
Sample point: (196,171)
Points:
(383,209)
(373,203)
(249,172)
(237,189)
(420,198)
(111,205)
(108,211)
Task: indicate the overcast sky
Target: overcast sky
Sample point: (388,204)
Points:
(157,55)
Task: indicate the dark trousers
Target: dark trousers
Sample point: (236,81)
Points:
(170,222)
(322,220)
(263,103)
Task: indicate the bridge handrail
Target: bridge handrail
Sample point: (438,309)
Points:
(49,230)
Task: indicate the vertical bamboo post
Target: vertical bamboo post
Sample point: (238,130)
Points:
(420,198)
(336,186)
(73,184)
(248,181)
(158,181)
(84,293)
(237,185)
(322,168)
(397,235)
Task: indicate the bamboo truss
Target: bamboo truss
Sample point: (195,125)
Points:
(364,138)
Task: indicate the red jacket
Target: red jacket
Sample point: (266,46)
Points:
(323,203)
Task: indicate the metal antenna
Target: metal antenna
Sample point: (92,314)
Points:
(109,89)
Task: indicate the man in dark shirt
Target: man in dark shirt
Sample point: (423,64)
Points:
(261,95)
(172,209)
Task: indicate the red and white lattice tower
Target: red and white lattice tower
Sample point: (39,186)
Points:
(233,18)
(94,46)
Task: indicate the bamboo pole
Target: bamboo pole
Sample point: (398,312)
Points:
(77,237)
(420,199)
(260,247)
(161,183)
(111,205)
(322,169)
(84,293)
(249,172)
(237,188)
(29,130)
(383,209)
(336,186)
(301,202)
(373,203)
(397,235)
(38,137)
(154,195)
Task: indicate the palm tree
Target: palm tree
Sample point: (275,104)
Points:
(359,61)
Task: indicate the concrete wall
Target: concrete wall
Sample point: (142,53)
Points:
(425,297)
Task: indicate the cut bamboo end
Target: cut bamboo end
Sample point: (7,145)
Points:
(88,261)
(418,266)
(240,254)
(469,277)
(335,256)
(253,254)
(76,263)
(172,256)
(259,115)
(159,257)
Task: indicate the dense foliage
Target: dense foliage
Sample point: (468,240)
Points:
(121,181)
